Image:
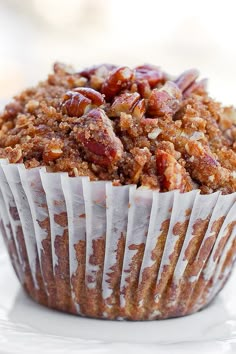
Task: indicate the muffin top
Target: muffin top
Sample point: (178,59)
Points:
(130,126)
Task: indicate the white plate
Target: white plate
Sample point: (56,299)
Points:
(28,328)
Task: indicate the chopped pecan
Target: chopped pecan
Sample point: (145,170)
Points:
(95,133)
(89,72)
(149,125)
(194,123)
(149,122)
(14,154)
(124,103)
(22,121)
(227,118)
(80,101)
(172,174)
(62,69)
(154,133)
(31,106)
(12,109)
(165,101)
(196,88)
(144,88)
(126,122)
(52,150)
(96,82)
(98,74)
(169,147)
(117,80)
(141,157)
(77,81)
(151,73)
(186,79)
(204,166)
(130,124)
(139,109)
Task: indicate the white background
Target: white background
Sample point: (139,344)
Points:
(173,34)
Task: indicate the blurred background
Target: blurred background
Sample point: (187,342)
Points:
(175,35)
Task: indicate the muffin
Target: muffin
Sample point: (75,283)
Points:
(118,192)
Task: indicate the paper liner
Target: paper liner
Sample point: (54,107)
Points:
(35,195)
(7,234)
(115,252)
(74,198)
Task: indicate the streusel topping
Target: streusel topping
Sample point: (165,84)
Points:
(131,126)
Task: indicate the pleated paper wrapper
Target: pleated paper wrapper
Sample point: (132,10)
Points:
(115,252)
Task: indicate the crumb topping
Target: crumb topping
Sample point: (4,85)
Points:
(125,125)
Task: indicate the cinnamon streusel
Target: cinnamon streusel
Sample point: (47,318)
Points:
(126,125)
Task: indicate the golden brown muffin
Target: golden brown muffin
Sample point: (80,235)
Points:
(141,223)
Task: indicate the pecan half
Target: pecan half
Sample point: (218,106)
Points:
(186,79)
(95,134)
(80,101)
(117,80)
(165,101)
(151,73)
(172,174)
(95,96)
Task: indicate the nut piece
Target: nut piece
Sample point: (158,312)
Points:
(117,80)
(93,70)
(186,79)
(144,89)
(196,87)
(124,103)
(140,158)
(62,69)
(154,133)
(80,101)
(204,166)
(95,134)
(52,150)
(139,109)
(151,73)
(14,154)
(74,104)
(97,74)
(165,101)
(95,96)
(31,106)
(12,109)
(172,174)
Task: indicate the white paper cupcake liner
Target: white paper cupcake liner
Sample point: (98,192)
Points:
(116,252)
(21,230)
(8,236)
(38,203)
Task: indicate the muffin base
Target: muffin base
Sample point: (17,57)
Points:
(96,250)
